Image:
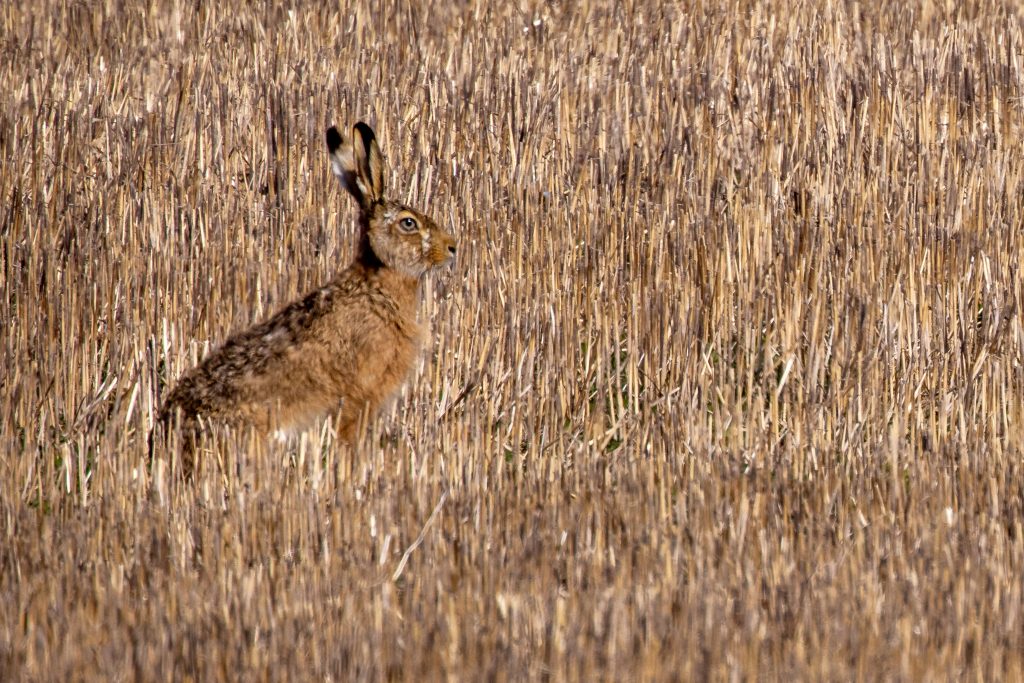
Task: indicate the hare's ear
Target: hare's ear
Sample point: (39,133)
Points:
(369,162)
(343,164)
(357,163)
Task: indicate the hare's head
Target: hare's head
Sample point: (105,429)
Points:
(396,235)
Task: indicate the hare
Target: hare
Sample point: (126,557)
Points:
(349,345)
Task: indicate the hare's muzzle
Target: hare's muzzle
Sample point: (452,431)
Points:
(446,249)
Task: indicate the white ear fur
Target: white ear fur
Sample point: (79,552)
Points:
(363,187)
(342,162)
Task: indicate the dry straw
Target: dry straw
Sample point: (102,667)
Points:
(726,381)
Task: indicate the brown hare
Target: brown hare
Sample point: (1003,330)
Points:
(347,346)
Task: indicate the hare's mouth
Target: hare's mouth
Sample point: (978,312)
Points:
(449,257)
(441,259)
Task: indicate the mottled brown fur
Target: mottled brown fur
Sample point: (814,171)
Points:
(348,346)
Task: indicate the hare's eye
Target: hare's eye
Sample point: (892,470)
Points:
(408,224)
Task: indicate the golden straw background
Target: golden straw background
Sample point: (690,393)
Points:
(725,383)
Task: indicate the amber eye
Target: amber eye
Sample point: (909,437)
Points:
(407,224)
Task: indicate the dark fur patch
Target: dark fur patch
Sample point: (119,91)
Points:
(334,139)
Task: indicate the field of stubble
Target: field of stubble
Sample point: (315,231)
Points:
(726,381)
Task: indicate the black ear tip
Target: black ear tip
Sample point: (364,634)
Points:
(333,139)
(365,132)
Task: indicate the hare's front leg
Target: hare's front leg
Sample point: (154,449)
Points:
(387,353)
(362,403)
(357,411)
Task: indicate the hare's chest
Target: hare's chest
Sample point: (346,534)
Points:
(410,339)
(391,360)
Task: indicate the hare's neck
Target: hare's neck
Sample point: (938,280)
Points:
(403,289)
(366,255)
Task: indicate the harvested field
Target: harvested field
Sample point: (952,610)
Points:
(726,381)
